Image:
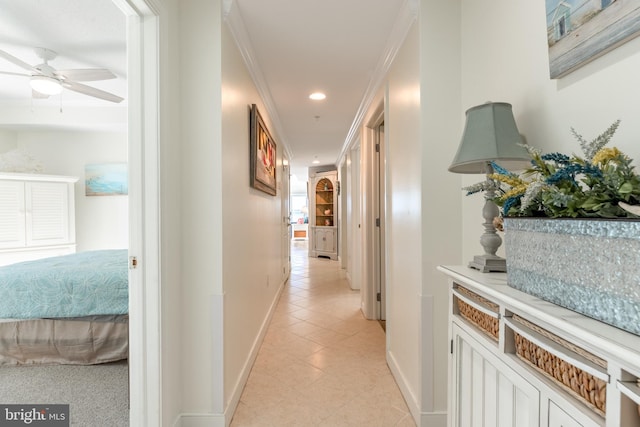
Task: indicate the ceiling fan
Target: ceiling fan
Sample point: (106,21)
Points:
(46,80)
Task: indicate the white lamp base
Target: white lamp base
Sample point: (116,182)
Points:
(489,263)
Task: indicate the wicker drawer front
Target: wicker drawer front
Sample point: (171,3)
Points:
(580,373)
(478,310)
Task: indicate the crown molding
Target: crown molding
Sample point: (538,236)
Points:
(227,5)
(406,17)
(235,23)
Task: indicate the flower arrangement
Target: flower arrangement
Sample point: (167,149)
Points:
(601,183)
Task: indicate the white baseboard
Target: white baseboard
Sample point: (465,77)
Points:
(407,393)
(255,348)
(433,419)
(200,420)
(422,419)
(223,420)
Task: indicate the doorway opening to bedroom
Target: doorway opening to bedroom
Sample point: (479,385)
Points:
(68,151)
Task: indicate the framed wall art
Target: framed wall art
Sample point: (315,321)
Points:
(262,154)
(579,31)
(106,179)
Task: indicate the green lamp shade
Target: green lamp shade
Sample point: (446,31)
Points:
(490,133)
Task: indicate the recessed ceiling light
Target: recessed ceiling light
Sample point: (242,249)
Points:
(317,96)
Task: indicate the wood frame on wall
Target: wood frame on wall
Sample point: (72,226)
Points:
(262,154)
(580,31)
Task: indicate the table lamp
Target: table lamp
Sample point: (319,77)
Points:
(490,134)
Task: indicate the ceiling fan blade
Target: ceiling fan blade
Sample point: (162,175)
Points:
(86,75)
(19,62)
(9,73)
(91,91)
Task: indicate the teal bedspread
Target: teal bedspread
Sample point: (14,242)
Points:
(82,284)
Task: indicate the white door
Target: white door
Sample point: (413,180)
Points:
(559,418)
(285,198)
(485,391)
(354,229)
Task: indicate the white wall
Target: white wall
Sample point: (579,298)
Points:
(199,58)
(441,124)
(231,234)
(101,222)
(8,140)
(403,214)
(504,58)
(253,224)
(423,103)
(171,152)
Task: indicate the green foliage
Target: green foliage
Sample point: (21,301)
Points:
(557,185)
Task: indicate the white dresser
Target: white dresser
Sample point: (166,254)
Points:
(511,355)
(37,216)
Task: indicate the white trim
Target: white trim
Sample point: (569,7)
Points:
(409,398)
(367,224)
(405,19)
(217,357)
(145,382)
(422,419)
(199,420)
(234,21)
(253,354)
(220,418)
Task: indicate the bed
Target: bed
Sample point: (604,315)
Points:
(70,309)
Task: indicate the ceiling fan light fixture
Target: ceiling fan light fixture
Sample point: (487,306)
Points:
(45,85)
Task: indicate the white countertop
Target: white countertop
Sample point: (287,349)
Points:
(610,342)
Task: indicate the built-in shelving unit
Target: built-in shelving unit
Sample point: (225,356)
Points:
(323,222)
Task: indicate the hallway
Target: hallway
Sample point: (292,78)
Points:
(322,363)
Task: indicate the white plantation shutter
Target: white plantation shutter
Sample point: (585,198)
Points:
(12,213)
(47,213)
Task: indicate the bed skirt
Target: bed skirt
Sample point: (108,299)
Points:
(77,341)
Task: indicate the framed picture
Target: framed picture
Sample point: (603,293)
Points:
(106,179)
(579,31)
(263,154)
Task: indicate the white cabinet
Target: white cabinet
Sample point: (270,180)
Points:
(300,231)
(559,418)
(324,240)
(487,391)
(323,214)
(516,360)
(37,216)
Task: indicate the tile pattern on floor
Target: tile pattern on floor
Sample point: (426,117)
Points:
(321,363)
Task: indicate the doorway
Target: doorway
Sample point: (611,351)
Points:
(145,388)
(379,240)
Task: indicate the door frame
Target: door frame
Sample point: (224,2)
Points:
(145,392)
(380,203)
(287,235)
(373,251)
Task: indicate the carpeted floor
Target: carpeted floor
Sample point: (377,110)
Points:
(97,395)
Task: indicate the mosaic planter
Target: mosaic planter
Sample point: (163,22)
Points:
(591,266)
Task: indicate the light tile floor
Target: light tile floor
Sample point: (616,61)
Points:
(321,363)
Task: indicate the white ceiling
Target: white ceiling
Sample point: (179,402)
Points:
(84,33)
(299,46)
